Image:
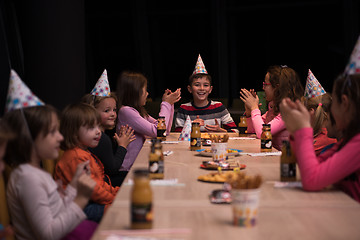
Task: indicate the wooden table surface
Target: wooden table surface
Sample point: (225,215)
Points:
(185,212)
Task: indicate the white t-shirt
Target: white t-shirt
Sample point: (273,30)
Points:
(37,209)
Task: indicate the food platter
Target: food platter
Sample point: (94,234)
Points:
(208,153)
(225,165)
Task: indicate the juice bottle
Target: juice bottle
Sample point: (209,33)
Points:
(156,160)
(266,138)
(195,141)
(141,201)
(287,163)
(161,128)
(242,126)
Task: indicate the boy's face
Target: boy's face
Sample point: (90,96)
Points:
(200,89)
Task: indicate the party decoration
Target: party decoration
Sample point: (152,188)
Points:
(354,62)
(200,67)
(313,88)
(186,131)
(102,87)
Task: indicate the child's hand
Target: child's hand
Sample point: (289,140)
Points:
(214,128)
(250,101)
(82,168)
(126,136)
(85,188)
(294,114)
(172,97)
(199,120)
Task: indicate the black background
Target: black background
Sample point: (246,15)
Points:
(61,47)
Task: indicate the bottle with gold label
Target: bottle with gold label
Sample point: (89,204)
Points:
(195,139)
(141,201)
(242,126)
(161,128)
(287,163)
(266,138)
(156,160)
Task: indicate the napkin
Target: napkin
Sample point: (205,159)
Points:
(160,182)
(262,154)
(242,138)
(186,131)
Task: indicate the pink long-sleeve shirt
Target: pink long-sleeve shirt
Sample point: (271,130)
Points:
(341,168)
(142,127)
(278,129)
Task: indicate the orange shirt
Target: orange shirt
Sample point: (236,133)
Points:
(322,140)
(65,169)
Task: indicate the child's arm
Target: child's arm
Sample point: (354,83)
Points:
(277,124)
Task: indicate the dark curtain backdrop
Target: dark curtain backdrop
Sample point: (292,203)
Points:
(60,47)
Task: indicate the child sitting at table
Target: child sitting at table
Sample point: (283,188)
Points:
(105,102)
(5,135)
(318,103)
(80,126)
(212,115)
(38,206)
(339,165)
(132,94)
(280,82)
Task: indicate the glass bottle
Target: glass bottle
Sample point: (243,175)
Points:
(266,138)
(195,141)
(242,126)
(156,160)
(287,163)
(141,201)
(161,128)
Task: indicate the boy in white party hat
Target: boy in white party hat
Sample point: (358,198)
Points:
(212,116)
(110,153)
(318,103)
(19,95)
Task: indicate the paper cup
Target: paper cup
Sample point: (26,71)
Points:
(219,151)
(245,204)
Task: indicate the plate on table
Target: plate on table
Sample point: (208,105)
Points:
(208,153)
(225,165)
(216,177)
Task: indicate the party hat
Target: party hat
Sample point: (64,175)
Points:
(313,88)
(102,87)
(200,67)
(186,131)
(354,62)
(19,95)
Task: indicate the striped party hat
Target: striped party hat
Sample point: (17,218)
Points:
(19,95)
(102,87)
(313,88)
(200,67)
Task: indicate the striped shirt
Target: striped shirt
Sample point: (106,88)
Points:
(214,110)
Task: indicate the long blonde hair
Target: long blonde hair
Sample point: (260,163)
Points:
(321,105)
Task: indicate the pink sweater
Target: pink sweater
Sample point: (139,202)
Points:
(142,127)
(278,129)
(341,168)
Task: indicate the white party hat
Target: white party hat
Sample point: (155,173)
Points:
(200,67)
(186,131)
(354,63)
(102,87)
(19,95)
(313,87)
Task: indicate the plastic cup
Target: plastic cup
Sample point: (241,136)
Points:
(219,151)
(245,204)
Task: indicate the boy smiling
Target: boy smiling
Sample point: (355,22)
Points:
(210,114)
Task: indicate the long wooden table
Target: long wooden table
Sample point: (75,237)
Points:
(185,212)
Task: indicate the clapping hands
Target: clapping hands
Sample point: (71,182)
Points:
(125,136)
(172,97)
